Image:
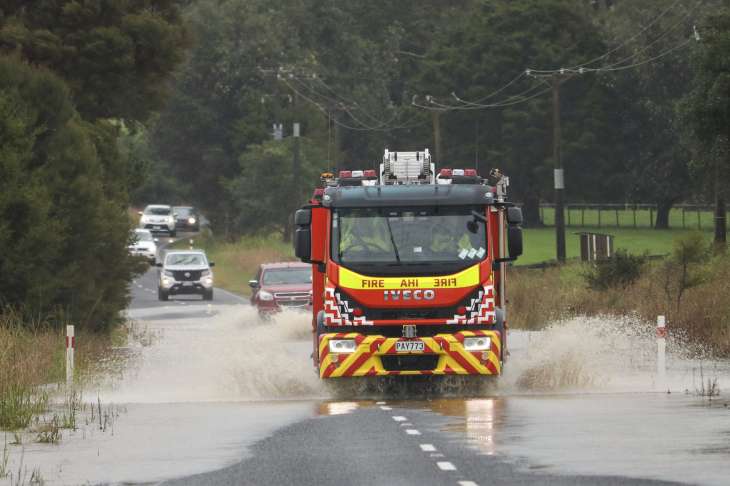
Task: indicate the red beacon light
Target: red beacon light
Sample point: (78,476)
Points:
(370,173)
(445,173)
(470,172)
(345,174)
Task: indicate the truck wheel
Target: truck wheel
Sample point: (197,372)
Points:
(162,295)
(499,326)
(173,233)
(208,295)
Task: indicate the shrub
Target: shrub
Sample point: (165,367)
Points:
(621,270)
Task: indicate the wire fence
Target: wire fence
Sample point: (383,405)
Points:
(683,216)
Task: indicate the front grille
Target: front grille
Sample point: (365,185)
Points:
(410,362)
(291,295)
(181,277)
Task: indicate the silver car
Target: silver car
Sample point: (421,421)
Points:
(185,272)
(158,218)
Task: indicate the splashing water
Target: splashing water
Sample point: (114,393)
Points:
(603,353)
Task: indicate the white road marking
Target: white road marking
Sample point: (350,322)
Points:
(467,483)
(427,447)
(412,432)
(380,403)
(385,408)
(436,454)
(399,418)
(406,424)
(446,466)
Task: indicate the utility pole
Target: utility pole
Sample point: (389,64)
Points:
(436,120)
(555,80)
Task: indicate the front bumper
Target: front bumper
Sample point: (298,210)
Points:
(443,354)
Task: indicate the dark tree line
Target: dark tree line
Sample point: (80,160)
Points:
(362,76)
(74,74)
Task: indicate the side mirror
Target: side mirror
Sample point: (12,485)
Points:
(153,264)
(140,213)
(254,284)
(158,264)
(303,235)
(514,215)
(211,264)
(514,241)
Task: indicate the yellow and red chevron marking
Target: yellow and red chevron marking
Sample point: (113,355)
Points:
(453,359)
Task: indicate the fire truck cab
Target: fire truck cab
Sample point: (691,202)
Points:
(408,269)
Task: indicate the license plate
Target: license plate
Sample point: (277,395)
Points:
(409,346)
(187,284)
(156,227)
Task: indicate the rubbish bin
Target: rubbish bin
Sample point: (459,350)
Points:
(595,246)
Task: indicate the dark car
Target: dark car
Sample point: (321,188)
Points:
(187,218)
(282,285)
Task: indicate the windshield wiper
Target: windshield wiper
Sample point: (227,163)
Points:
(392,240)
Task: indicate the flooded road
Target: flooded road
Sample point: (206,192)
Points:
(217,397)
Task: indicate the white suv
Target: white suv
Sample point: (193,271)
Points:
(143,245)
(158,218)
(185,272)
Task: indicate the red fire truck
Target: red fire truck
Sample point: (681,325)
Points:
(408,269)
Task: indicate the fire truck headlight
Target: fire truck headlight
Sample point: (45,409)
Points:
(342,346)
(477,343)
(266,296)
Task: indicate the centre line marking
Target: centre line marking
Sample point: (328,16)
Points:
(412,432)
(406,424)
(467,483)
(399,418)
(427,448)
(446,466)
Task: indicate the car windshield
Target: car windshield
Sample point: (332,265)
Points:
(157,210)
(185,259)
(405,236)
(143,236)
(280,276)
(183,212)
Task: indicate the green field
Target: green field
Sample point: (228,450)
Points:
(539,243)
(625,217)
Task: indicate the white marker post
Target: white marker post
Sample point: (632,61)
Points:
(70,345)
(661,351)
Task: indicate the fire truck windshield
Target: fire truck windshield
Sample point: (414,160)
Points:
(455,236)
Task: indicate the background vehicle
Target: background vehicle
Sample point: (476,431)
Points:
(158,218)
(409,276)
(185,272)
(282,285)
(186,218)
(143,244)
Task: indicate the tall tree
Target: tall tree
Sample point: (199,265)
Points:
(707,113)
(115,54)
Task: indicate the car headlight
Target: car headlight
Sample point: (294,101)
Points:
(170,219)
(205,272)
(191,220)
(481,343)
(143,219)
(264,295)
(169,273)
(167,281)
(342,345)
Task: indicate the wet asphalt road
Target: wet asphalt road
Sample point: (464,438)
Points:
(221,398)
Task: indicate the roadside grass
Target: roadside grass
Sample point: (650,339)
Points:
(32,357)
(539,243)
(236,263)
(701,320)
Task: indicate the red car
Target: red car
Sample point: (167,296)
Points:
(282,285)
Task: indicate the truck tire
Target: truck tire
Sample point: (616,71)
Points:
(499,326)
(162,295)
(173,233)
